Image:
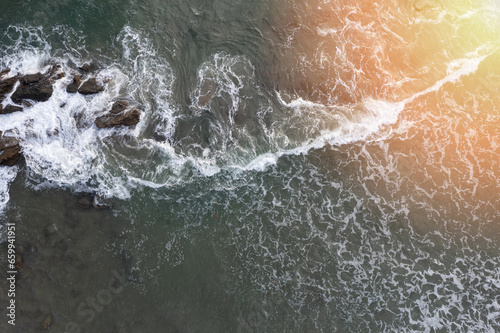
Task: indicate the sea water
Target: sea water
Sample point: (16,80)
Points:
(299,166)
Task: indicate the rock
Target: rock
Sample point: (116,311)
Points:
(119,106)
(33,86)
(85,202)
(160,137)
(5,71)
(90,87)
(101,203)
(47,322)
(9,150)
(72,88)
(27,104)
(31,78)
(50,229)
(10,108)
(58,76)
(6,86)
(124,118)
(53,72)
(88,67)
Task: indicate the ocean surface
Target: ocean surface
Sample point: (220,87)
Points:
(299,166)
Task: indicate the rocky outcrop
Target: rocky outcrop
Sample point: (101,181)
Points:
(72,88)
(6,86)
(30,78)
(54,72)
(88,67)
(36,87)
(5,71)
(118,116)
(9,149)
(118,107)
(9,109)
(90,87)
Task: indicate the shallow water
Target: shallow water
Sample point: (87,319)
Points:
(303,166)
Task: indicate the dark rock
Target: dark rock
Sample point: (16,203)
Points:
(88,67)
(50,229)
(90,87)
(33,86)
(85,202)
(9,150)
(6,86)
(27,104)
(31,78)
(53,72)
(101,203)
(59,76)
(119,106)
(160,137)
(5,71)
(72,88)
(10,108)
(124,118)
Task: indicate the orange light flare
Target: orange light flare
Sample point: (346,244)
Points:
(344,52)
(440,58)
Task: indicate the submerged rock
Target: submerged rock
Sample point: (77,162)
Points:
(47,322)
(88,67)
(122,118)
(72,88)
(9,150)
(50,230)
(9,109)
(101,203)
(85,202)
(160,137)
(90,87)
(36,87)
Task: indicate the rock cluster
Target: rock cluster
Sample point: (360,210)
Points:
(119,115)
(38,87)
(35,87)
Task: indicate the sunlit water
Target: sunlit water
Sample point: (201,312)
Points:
(300,166)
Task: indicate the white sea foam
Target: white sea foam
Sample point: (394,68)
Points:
(7,175)
(245,130)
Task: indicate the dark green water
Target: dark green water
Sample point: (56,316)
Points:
(263,190)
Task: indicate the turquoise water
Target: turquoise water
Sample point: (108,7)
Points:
(280,179)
